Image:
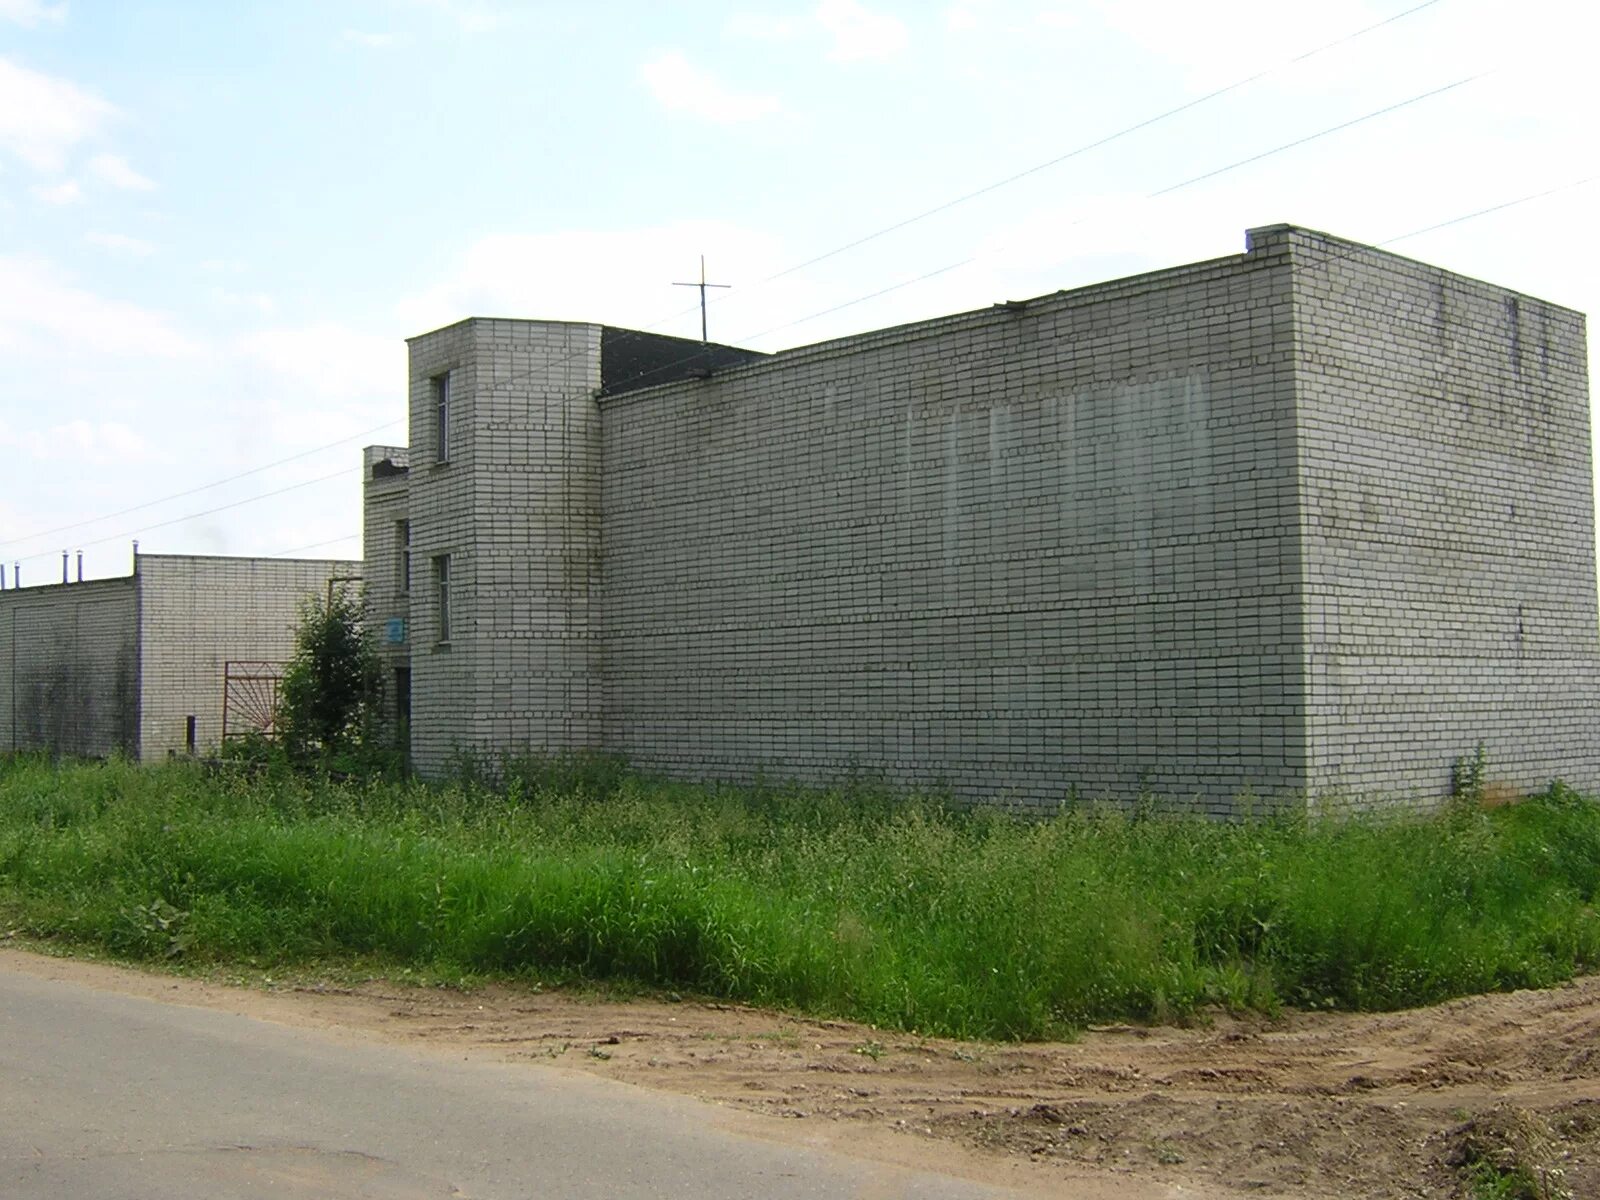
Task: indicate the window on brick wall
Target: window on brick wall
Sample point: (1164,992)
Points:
(402,547)
(441,417)
(441,585)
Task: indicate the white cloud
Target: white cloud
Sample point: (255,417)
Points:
(760,27)
(680,86)
(120,243)
(1064,18)
(856,33)
(38,302)
(114,169)
(99,442)
(42,117)
(470,16)
(859,33)
(258,301)
(65,192)
(1213,47)
(965,15)
(30,14)
(373,41)
(328,361)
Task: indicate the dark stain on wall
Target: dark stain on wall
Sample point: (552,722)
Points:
(71,658)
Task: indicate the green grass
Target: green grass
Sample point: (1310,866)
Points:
(836,903)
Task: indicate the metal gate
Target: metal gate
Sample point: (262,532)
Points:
(250,698)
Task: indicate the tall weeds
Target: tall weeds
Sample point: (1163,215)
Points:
(842,902)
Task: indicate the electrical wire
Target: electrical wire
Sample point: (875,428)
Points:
(1457,220)
(696,355)
(1321,133)
(1493,208)
(1095,145)
(293,550)
(1001,183)
(343,473)
(688,359)
(204,487)
(833,253)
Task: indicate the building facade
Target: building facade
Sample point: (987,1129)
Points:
(1311,523)
(164,661)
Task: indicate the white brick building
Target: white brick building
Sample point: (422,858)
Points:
(1313,520)
(152,664)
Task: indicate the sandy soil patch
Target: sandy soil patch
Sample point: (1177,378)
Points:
(1310,1104)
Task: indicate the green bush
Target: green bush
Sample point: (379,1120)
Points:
(330,706)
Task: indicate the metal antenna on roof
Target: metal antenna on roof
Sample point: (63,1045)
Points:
(703,285)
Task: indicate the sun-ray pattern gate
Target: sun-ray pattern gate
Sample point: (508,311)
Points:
(250,698)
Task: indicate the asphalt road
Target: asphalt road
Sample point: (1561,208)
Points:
(111,1097)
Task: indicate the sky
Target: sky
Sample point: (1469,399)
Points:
(218,222)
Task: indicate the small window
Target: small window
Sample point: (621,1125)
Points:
(441,417)
(402,545)
(441,583)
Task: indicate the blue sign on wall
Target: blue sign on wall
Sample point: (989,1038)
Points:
(395,631)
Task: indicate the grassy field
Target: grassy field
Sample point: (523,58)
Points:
(840,903)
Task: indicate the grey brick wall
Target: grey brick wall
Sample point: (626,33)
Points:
(388,581)
(516,509)
(70,676)
(1448,524)
(1306,522)
(197,613)
(1010,552)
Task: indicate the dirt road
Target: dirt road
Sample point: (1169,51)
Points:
(1314,1105)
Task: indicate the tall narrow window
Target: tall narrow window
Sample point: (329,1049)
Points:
(441,415)
(402,546)
(441,583)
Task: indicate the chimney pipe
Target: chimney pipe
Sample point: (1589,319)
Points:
(80,566)
(64,567)
(2,577)
(16,574)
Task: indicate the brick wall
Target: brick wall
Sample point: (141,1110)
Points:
(516,510)
(198,613)
(70,682)
(388,579)
(1449,527)
(1306,521)
(1012,552)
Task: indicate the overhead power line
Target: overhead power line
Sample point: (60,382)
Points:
(195,516)
(1493,208)
(844,248)
(893,287)
(293,550)
(1167,114)
(998,184)
(204,487)
(1457,220)
(1254,158)
(1321,133)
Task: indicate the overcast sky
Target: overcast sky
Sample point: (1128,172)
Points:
(218,221)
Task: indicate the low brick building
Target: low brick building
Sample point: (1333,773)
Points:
(1311,521)
(164,661)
